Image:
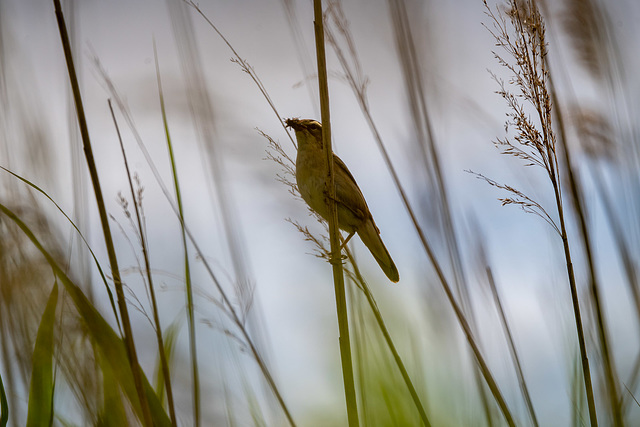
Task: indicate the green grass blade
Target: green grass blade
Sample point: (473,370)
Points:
(93,255)
(110,345)
(4,405)
(42,383)
(193,352)
(362,285)
(112,412)
(170,340)
(137,207)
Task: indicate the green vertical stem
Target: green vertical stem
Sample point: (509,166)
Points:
(193,351)
(482,365)
(603,334)
(387,337)
(576,308)
(152,292)
(113,261)
(334,232)
(446,287)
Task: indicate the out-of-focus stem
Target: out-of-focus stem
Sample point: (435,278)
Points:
(113,261)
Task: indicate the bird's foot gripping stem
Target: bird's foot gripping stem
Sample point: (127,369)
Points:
(342,257)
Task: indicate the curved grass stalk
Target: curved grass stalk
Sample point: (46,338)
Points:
(93,255)
(364,287)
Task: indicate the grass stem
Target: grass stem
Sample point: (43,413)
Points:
(387,337)
(334,231)
(193,352)
(152,292)
(596,293)
(113,261)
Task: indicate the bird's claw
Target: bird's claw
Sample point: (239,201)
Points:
(333,261)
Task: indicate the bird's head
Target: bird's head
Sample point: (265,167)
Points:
(308,131)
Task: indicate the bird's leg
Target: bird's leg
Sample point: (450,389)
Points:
(342,246)
(347,240)
(328,197)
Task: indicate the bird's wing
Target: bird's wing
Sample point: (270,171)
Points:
(347,191)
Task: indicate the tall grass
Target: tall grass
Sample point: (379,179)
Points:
(428,360)
(113,260)
(334,231)
(520,33)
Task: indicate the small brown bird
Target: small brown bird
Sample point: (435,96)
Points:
(353,213)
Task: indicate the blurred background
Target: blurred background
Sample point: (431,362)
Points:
(422,73)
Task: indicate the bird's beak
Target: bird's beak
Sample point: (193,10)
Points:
(293,124)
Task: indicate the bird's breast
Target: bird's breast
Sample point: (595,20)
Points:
(311,175)
(311,171)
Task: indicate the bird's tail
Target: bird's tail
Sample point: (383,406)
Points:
(370,236)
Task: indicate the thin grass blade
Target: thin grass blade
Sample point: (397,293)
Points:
(113,412)
(109,343)
(4,405)
(42,382)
